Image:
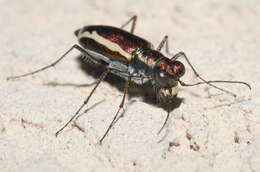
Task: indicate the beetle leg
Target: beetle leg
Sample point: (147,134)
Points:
(133,20)
(102,77)
(120,107)
(165,121)
(52,64)
(165,41)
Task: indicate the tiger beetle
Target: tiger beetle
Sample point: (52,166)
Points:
(133,59)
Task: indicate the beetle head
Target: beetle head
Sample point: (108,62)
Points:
(165,72)
(166,76)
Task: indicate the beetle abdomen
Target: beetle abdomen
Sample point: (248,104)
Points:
(112,42)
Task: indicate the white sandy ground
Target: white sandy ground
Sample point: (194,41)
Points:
(206,133)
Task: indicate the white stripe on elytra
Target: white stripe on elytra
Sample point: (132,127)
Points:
(101,40)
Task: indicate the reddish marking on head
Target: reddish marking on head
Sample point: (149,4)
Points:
(178,69)
(149,60)
(163,65)
(170,71)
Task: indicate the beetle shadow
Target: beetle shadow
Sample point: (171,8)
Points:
(145,91)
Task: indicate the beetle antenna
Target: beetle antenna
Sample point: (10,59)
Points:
(216,81)
(182,54)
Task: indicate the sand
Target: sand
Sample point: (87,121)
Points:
(208,131)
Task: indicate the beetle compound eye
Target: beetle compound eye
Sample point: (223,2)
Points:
(178,69)
(162,78)
(162,74)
